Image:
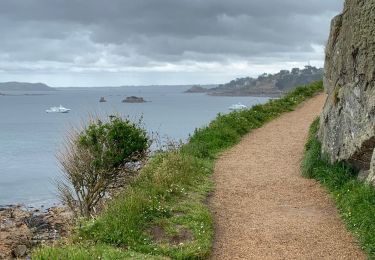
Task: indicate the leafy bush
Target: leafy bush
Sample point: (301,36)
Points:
(97,158)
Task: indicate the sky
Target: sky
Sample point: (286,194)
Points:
(159,42)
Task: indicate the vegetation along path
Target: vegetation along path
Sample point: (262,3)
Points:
(264,209)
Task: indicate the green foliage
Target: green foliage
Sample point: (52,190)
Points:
(98,158)
(171,190)
(172,182)
(354,199)
(113,143)
(79,252)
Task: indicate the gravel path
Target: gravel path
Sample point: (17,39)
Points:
(264,209)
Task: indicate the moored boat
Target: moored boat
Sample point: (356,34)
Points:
(59,109)
(238,106)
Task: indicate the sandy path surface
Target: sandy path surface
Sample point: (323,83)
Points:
(264,209)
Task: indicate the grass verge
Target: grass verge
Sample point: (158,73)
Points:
(354,199)
(163,212)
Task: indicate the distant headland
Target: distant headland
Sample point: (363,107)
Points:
(265,85)
(24,86)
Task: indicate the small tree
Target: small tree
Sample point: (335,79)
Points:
(97,158)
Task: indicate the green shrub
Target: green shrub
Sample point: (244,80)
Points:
(97,158)
(113,143)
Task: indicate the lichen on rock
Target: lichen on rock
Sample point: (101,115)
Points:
(347,126)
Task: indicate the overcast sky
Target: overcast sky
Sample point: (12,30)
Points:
(142,42)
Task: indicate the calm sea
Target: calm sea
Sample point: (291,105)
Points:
(30,137)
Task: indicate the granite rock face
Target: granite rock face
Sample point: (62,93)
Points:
(347,126)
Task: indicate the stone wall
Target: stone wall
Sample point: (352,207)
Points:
(347,126)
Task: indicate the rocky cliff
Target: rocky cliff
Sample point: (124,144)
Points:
(347,126)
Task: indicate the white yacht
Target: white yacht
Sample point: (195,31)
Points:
(59,109)
(238,106)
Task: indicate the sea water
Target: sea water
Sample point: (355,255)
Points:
(30,137)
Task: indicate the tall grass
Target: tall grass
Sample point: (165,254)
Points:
(171,191)
(88,252)
(354,199)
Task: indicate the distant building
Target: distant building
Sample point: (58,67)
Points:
(295,71)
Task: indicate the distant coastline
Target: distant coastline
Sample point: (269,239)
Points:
(24,86)
(266,85)
(255,94)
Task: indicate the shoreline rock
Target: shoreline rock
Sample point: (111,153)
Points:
(21,229)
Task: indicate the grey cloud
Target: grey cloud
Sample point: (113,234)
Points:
(141,32)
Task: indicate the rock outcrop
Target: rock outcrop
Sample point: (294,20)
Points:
(133,99)
(347,126)
(22,230)
(196,89)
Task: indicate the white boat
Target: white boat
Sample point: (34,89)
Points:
(59,109)
(238,106)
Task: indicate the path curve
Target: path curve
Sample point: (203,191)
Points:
(264,209)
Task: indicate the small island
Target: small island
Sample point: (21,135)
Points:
(196,89)
(134,99)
